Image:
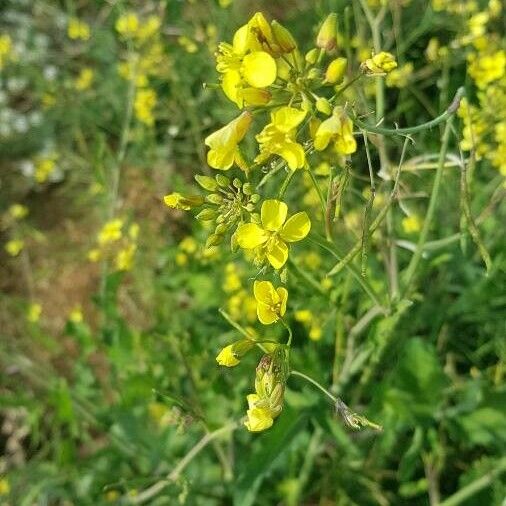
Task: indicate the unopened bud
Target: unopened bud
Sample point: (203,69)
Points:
(312,56)
(283,37)
(336,70)
(221,228)
(327,36)
(323,105)
(206,182)
(247,189)
(214,240)
(222,180)
(214,198)
(206,215)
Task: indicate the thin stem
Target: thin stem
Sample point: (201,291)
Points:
(315,383)
(450,111)
(241,329)
(285,184)
(415,259)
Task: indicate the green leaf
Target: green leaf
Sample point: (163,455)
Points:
(271,445)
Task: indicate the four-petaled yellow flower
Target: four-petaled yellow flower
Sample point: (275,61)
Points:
(245,65)
(78,29)
(278,137)
(227,357)
(271,302)
(378,64)
(269,239)
(224,142)
(338,128)
(259,418)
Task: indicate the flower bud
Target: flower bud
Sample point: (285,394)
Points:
(336,70)
(379,64)
(327,36)
(221,228)
(283,37)
(206,215)
(313,73)
(214,198)
(231,354)
(323,106)
(206,182)
(247,189)
(256,96)
(177,201)
(214,240)
(222,180)
(312,56)
(236,183)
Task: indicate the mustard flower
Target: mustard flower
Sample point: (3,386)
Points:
(412,224)
(338,128)
(14,247)
(110,232)
(34,312)
(327,35)
(269,239)
(184,203)
(127,25)
(230,355)
(224,142)
(18,211)
(379,64)
(145,102)
(245,65)
(78,30)
(278,137)
(259,418)
(84,80)
(271,302)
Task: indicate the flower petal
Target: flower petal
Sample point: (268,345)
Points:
(273,214)
(287,118)
(277,254)
(259,69)
(250,235)
(258,419)
(265,314)
(231,85)
(296,227)
(283,296)
(293,153)
(264,292)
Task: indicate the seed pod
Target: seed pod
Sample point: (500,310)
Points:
(214,198)
(206,182)
(206,215)
(222,180)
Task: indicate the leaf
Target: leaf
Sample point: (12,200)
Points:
(271,445)
(411,458)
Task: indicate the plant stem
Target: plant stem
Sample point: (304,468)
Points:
(315,383)
(415,259)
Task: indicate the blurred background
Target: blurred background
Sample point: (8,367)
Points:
(108,300)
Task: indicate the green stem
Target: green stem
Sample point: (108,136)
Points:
(415,259)
(315,383)
(450,111)
(285,184)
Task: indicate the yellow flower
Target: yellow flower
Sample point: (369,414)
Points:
(177,201)
(315,332)
(412,224)
(271,237)
(77,29)
(336,70)
(339,128)
(226,357)
(278,137)
(303,315)
(5,486)
(94,255)
(271,302)
(145,102)
(224,142)
(14,247)
(18,211)
(327,35)
(76,315)
(125,258)
(245,64)
(230,355)
(110,232)
(149,28)
(259,419)
(485,68)
(378,64)
(127,24)
(84,79)
(400,77)
(44,167)
(34,312)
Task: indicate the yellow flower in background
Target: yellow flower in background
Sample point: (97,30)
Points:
(34,312)
(125,258)
(110,232)
(315,332)
(184,203)
(400,77)
(275,231)
(278,137)
(44,167)
(127,24)
(5,486)
(17,211)
(78,30)
(486,68)
(76,315)
(14,247)
(94,255)
(84,79)
(338,128)
(224,142)
(145,102)
(379,64)
(5,49)
(149,28)
(271,302)
(412,224)
(303,315)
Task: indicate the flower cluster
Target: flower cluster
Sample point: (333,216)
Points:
(293,116)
